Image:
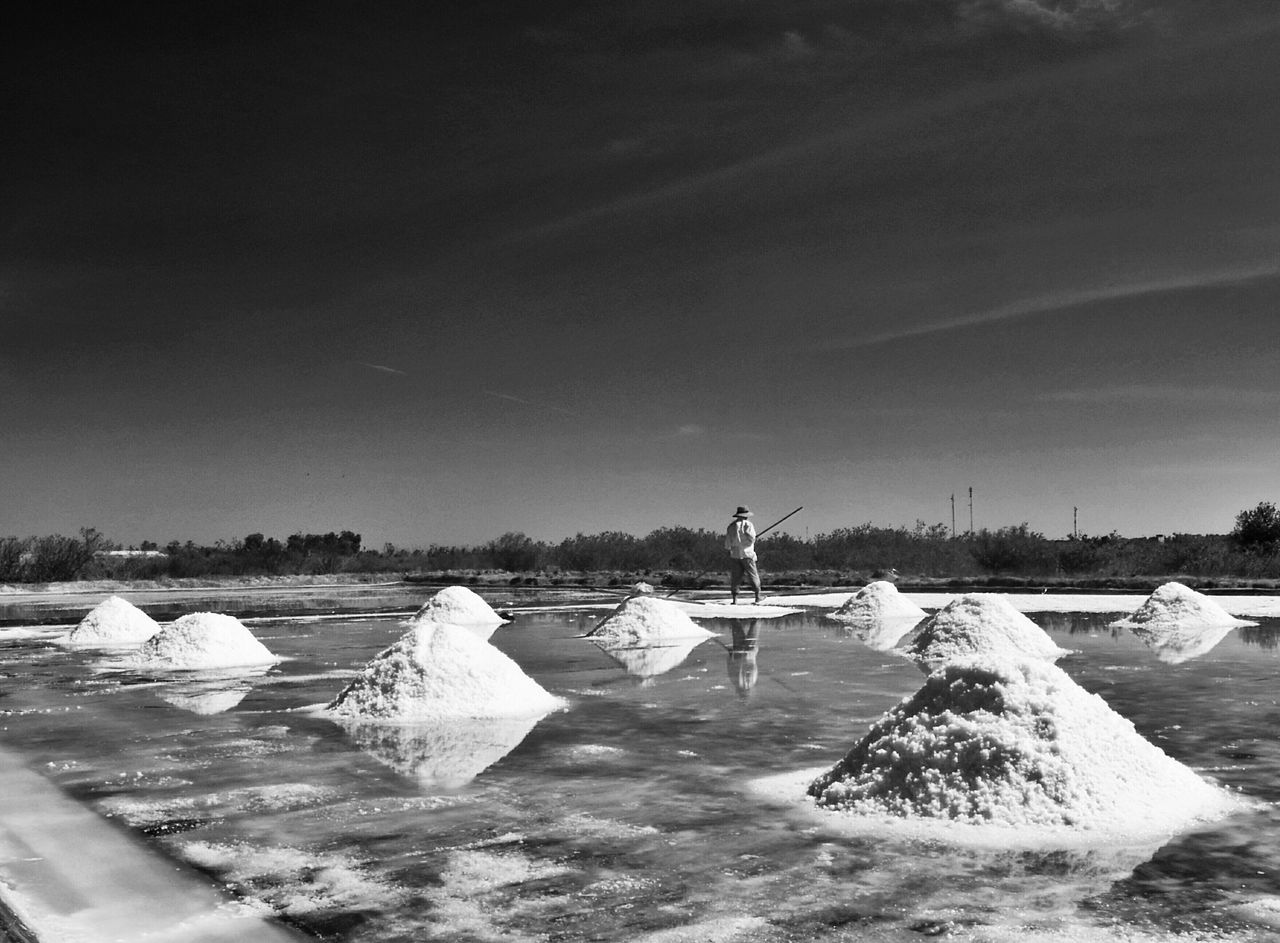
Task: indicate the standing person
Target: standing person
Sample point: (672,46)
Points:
(740,541)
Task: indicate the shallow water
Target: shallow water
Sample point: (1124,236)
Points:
(630,815)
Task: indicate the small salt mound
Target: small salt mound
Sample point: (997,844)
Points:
(641,589)
(1015,743)
(114,621)
(457,605)
(437,671)
(1175,606)
(875,602)
(643,620)
(981,624)
(203,640)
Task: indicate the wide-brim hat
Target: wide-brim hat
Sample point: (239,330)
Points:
(743,511)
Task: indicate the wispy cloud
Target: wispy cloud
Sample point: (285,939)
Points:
(1059,301)
(690,430)
(528,402)
(381,368)
(1164,394)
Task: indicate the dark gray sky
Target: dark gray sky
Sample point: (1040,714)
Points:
(563,266)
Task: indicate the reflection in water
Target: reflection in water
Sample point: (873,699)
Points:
(743,670)
(1176,644)
(883,634)
(205,698)
(445,754)
(211,692)
(1264,636)
(649,661)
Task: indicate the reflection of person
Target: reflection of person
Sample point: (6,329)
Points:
(743,671)
(740,541)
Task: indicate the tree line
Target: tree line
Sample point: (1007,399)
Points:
(844,555)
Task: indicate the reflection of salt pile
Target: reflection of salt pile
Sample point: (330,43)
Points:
(437,671)
(981,624)
(1174,606)
(877,601)
(1015,743)
(114,621)
(457,605)
(649,661)
(203,640)
(446,753)
(643,620)
(206,700)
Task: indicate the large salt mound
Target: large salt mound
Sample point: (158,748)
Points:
(437,671)
(1015,743)
(203,640)
(876,602)
(981,624)
(114,621)
(457,605)
(643,620)
(1175,606)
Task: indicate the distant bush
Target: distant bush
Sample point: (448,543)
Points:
(1258,528)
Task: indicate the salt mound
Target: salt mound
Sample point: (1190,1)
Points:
(875,602)
(643,620)
(1015,743)
(981,624)
(203,640)
(114,621)
(457,605)
(1174,606)
(437,671)
(444,753)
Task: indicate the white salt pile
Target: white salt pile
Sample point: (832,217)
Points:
(643,620)
(446,754)
(1174,606)
(981,624)
(1015,743)
(457,605)
(437,671)
(875,602)
(114,621)
(641,588)
(203,640)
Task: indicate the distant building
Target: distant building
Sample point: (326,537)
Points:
(130,554)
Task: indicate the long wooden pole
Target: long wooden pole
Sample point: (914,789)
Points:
(760,534)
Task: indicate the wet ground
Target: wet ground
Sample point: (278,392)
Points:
(631,815)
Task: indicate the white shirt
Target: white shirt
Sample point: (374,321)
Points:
(740,539)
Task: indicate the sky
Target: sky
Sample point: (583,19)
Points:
(567,267)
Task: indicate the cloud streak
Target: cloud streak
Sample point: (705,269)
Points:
(1060,301)
(1165,395)
(381,368)
(528,402)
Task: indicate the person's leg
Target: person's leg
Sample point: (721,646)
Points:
(735,577)
(753,577)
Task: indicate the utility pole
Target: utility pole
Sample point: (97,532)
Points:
(953,515)
(1075,522)
(971,510)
